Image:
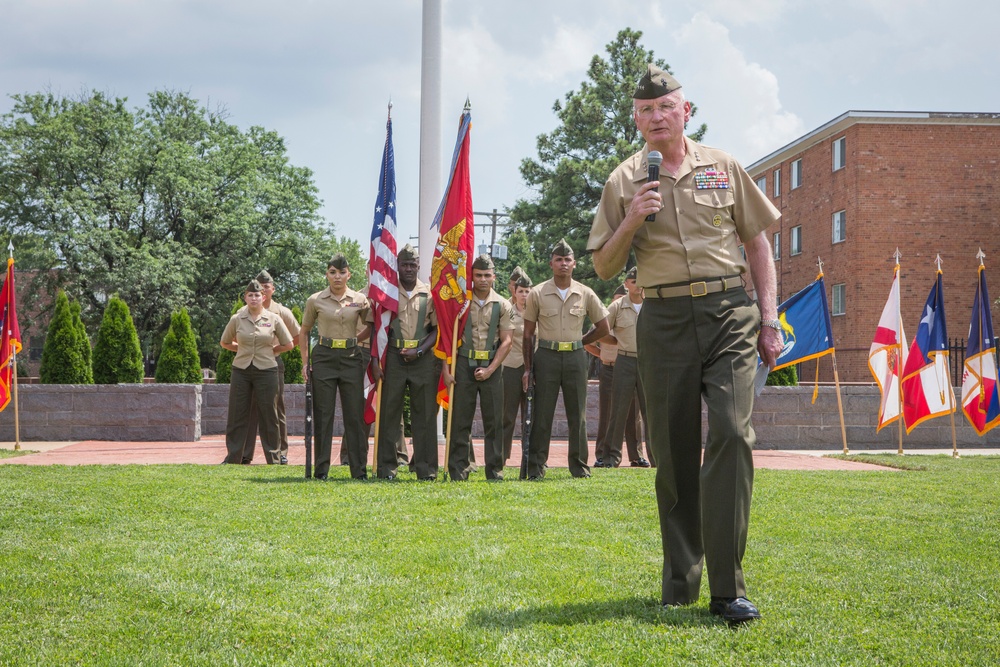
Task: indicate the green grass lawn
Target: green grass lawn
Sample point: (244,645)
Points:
(195,565)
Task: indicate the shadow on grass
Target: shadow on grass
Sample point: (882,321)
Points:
(645,610)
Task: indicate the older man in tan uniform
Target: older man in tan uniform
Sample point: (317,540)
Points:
(485,344)
(698,335)
(288,318)
(556,311)
(410,363)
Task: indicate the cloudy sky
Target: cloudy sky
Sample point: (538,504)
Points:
(321,72)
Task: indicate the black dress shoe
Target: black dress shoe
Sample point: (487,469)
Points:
(640,463)
(599,463)
(283,461)
(363,475)
(734,610)
(321,478)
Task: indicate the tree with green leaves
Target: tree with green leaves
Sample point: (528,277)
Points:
(62,356)
(224,363)
(167,205)
(178,362)
(83,340)
(596,133)
(117,356)
(292,359)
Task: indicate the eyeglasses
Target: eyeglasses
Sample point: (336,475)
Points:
(646,110)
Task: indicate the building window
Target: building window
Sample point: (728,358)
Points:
(777,245)
(837,305)
(762,184)
(839,152)
(796,174)
(777,182)
(839,231)
(796,245)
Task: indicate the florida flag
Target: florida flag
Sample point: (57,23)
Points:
(10,340)
(980,401)
(451,270)
(927,391)
(888,356)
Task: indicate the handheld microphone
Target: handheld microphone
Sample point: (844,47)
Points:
(654,159)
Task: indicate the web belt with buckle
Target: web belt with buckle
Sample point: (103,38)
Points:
(561,346)
(479,355)
(404,344)
(337,343)
(695,288)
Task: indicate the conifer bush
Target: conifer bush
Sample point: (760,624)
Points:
(178,362)
(62,355)
(84,342)
(117,354)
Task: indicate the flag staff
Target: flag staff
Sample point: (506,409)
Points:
(451,387)
(836,377)
(899,356)
(951,391)
(13,361)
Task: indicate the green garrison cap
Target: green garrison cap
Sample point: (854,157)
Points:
(620,291)
(523,280)
(655,83)
(408,253)
(483,263)
(632,274)
(253,286)
(339,262)
(264,278)
(562,249)
(515,274)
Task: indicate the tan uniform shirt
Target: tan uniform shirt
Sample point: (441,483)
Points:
(286,315)
(480,317)
(709,208)
(559,320)
(515,358)
(336,318)
(409,308)
(255,338)
(621,321)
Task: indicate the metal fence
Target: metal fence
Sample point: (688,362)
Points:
(956,356)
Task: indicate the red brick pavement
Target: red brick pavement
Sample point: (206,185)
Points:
(211,449)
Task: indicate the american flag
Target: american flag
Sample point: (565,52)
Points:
(383,279)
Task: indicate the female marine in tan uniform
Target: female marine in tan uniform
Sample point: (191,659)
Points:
(337,363)
(257,336)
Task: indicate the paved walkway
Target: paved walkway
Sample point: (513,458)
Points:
(211,449)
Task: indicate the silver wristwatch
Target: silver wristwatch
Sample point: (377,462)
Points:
(774,324)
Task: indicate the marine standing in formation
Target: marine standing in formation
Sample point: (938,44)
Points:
(513,364)
(410,363)
(337,364)
(485,344)
(556,310)
(698,335)
(257,336)
(286,315)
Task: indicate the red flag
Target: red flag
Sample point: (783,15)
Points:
(10,341)
(451,270)
(383,278)
(887,356)
(926,384)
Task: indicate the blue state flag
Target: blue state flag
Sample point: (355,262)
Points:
(805,323)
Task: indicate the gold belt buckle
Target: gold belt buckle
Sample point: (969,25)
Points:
(338,343)
(480,355)
(565,347)
(702,285)
(410,344)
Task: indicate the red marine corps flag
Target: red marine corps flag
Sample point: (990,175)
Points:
(10,342)
(451,269)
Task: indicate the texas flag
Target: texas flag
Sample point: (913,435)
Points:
(927,391)
(888,356)
(980,401)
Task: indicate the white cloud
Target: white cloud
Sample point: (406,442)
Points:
(737,99)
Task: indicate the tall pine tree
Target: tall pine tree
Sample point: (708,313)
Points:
(178,362)
(62,356)
(117,355)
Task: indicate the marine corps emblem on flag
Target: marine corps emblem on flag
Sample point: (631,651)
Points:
(450,263)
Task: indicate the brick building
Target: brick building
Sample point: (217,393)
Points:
(853,190)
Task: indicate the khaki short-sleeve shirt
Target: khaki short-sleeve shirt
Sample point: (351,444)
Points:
(409,309)
(480,315)
(621,320)
(287,316)
(255,338)
(515,358)
(559,320)
(338,318)
(709,209)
